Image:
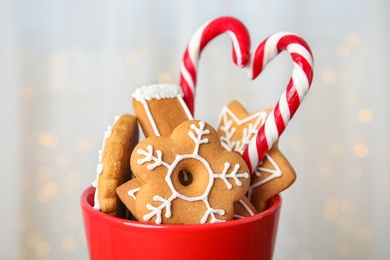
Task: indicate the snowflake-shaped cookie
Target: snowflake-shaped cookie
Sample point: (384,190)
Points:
(189,177)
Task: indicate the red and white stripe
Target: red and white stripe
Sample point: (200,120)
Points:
(208,31)
(297,87)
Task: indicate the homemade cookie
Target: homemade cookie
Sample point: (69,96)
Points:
(113,168)
(187,178)
(160,108)
(244,208)
(274,174)
(127,193)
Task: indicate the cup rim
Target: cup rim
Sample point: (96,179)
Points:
(274,205)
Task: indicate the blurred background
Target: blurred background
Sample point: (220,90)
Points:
(68,67)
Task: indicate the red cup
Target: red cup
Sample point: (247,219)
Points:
(114,238)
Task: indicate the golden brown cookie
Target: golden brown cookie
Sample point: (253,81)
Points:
(160,108)
(127,193)
(274,174)
(114,168)
(244,208)
(187,178)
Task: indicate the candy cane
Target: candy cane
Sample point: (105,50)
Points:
(208,31)
(297,88)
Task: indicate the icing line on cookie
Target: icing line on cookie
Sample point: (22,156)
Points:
(132,192)
(100,166)
(197,135)
(246,207)
(159,91)
(274,174)
(248,132)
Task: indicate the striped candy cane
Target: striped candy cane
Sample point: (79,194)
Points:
(298,86)
(290,100)
(208,31)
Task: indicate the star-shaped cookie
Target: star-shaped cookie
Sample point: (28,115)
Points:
(236,128)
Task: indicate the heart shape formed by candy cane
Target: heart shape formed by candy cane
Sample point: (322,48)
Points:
(297,87)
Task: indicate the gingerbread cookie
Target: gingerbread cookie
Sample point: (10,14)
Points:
(160,108)
(113,168)
(127,193)
(187,178)
(274,174)
(244,208)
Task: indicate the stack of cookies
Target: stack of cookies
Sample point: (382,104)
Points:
(184,171)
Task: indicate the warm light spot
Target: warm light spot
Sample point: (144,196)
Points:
(364,233)
(57,62)
(68,244)
(49,189)
(330,210)
(336,148)
(291,241)
(329,77)
(47,139)
(32,239)
(342,51)
(56,83)
(73,179)
(132,58)
(305,256)
(326,170)
(361,150)
(351,98)
(352,40)
(330,214)
(22,225)
(84,145)
(332,203)
(44,173)
(164,78)
(42,249)
(343,249)
(64,160)
(365,115)
(42,197)
(343,223)
(27,93)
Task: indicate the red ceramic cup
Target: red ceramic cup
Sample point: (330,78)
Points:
(114,238)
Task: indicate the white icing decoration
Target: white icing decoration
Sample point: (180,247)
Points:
(246,207)
(100,166)
(133,192)
(159,91)
(248,134)
(275,173)
(197,135)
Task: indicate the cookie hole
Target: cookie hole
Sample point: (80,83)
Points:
(185,177)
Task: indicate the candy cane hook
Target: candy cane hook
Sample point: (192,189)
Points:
(208,31)
(297,88)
